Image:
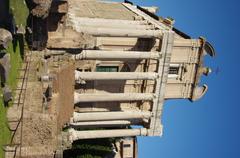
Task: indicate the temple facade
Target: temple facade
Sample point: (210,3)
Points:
(104,70)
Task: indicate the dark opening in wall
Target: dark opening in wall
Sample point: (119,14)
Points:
(107,68)
(36,33)
(173,70)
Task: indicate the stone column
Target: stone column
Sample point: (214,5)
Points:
(117,123)
(115,55)
(110,97)
(95,134)
(115,76)
(109,32)
(106,116)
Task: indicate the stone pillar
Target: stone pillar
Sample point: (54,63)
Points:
(115,75)
(110,97)
(115,55)
(95,134)
(99,124)
(97,21)
(106,116)
(109,32)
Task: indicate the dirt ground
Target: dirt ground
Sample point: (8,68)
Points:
(64,87)
(41,125)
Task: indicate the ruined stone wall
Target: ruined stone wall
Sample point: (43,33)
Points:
(39,8)
(36,32)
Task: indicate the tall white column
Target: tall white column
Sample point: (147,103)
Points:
(115,75)
(95,134)
(92,124)
(110,97)
(115,55)
(106,116)
(109,32)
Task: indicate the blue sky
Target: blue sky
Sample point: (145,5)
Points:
(208,128)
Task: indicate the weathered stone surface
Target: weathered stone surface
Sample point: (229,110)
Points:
(7,94)
(36,32)
(4,67)
(5,38)
(69,38)
(39,8)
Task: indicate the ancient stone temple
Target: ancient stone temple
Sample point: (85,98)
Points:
(103,70)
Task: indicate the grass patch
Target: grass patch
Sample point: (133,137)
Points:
(4,132)
(16,60)
(20,13)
